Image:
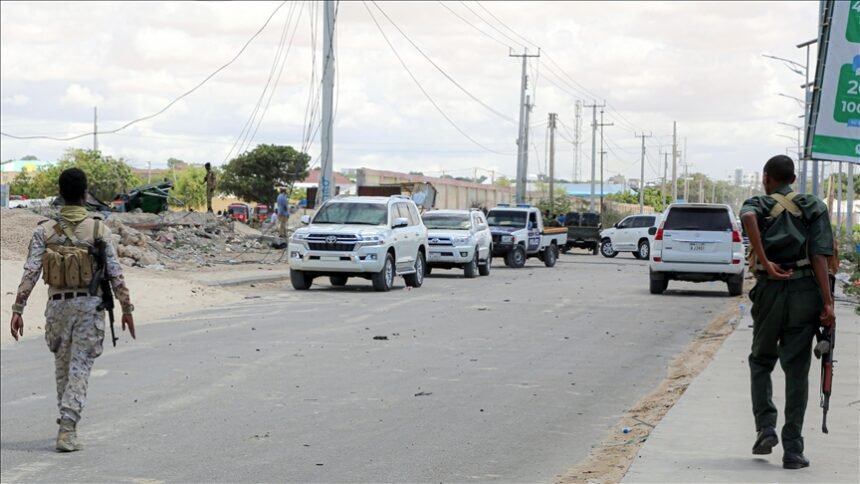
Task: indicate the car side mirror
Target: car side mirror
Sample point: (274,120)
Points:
(616,224)
(400,222)
(482,227)
(306,219)
(652,231)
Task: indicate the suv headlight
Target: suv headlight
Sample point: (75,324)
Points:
(460,240)
(371,240)
(298,237)
(507,238)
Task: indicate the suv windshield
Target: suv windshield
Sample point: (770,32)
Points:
(448,221)
(506,218)
(698,218)
(352,213)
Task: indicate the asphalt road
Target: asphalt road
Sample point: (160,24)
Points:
(508,378)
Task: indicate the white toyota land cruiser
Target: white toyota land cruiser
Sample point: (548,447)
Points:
(373,238)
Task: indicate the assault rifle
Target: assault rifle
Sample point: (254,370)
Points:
(100,281)
(826,338)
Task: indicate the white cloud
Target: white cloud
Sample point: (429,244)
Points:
(656,62)
(16,100)
(80,96)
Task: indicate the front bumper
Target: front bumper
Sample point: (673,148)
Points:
(360,260)
(447,254)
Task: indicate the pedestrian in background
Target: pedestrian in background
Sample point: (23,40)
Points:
(74,318)
(283,213)
(791,238)
(210,186)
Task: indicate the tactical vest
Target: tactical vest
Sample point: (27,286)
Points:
(68,263)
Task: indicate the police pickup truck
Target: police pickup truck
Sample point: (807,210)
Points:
(519,234)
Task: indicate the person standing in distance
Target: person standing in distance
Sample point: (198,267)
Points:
(791,237)
(283,213)
(74,322)
(210,186)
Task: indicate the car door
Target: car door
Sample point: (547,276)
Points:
(481,235)
(400,237)
(621,240)
(641,226)
(417,228)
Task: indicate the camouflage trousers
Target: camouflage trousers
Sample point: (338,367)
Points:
(74,331)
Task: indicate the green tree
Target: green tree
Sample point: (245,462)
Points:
(255,175)
(23,185)
(173,163)
(30,158)
(503,182)
(190,190)
(107,176)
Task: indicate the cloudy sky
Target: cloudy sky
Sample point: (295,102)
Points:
(700,64)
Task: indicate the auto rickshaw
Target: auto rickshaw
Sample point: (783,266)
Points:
(261,212)
(240,212)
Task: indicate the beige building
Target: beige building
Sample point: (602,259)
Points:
(450,193)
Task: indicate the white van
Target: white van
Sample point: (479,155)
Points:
(698,243)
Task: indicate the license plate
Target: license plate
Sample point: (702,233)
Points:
(435,255)
(697,247)
(328,258)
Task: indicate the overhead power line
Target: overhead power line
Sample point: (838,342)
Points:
(424,91)
(441,70)
(171,103)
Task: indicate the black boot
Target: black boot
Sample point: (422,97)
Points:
(765,441)
(791,460)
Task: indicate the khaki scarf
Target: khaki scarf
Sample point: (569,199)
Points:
(73,214)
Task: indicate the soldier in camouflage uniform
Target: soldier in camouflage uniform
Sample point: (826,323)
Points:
(791,237)
(75,325)
(210,186)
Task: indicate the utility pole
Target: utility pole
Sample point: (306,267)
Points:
(665,173)
(701,190)
(149,171)
(839,204)
(95,128)
(642,173)
(552,118)
(593,149)
(849,229)
(577,141)
(686,182)
(807,108)
(602,124)
(522,138)
(713,191)
(674,161)
(523,181)
(326,163)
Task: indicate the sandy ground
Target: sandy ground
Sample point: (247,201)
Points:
(156,295)
(609,461)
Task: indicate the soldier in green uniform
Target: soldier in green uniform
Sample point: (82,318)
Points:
(791,237)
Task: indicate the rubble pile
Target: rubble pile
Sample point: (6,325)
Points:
(173,240)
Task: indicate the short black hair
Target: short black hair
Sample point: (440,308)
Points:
(780,168)
(73,185)
(207,166)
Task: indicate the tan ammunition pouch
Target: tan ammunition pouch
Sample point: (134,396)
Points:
(68,262)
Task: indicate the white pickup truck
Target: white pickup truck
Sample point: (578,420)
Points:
(519,234)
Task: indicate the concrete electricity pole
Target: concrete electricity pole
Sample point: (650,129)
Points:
(642,173)
(665,173)
(95,128)
(850,211)
(523,181)
(593,149)
(324,192)
(602,124)
(552,118)
(674,161)
(701,190)
(839,203)
(577,141)
(522,138)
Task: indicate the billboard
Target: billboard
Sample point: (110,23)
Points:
(835,119)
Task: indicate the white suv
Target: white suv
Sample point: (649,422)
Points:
(459,238)
(374,238)
(698,243)
(633,234)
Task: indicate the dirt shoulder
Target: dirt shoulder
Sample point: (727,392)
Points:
(157,296)
(609,460)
